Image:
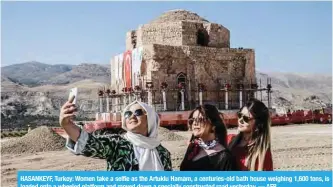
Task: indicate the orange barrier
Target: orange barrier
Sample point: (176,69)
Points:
(170,119)
(230,119)
(97,125)
(280,120)
(92,126)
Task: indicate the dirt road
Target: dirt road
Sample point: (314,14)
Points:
(295,147)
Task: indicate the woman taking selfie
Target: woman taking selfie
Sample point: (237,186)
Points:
(252,146)
(139,149)
(207,149)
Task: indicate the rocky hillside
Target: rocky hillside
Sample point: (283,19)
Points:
(37,98)
(33,92)
(35,73)
(299,91)
(82,72)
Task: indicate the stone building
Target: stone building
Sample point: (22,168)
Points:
(182,47)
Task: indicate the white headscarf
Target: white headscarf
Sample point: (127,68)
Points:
(145,147)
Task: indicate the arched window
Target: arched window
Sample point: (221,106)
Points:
(181,78)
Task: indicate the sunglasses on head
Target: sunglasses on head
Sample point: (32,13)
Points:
(246,119)
(197,120)
(137,113)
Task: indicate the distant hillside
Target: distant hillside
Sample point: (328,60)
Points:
(33,73)
(8,84)
(36,73)
(40,105)
(82,72)
(296,91)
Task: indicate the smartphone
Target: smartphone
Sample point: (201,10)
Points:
(73,92)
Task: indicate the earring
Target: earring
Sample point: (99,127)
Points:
(212,130)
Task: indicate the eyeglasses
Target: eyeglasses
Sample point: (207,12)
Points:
(197,120)
(137,113)
(246,119)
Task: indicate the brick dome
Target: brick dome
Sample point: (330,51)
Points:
(179,15)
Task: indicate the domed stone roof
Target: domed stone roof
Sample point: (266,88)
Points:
(179,15)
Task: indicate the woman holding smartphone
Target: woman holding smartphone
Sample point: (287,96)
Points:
(138,150)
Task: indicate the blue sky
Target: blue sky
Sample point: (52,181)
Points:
(286,36)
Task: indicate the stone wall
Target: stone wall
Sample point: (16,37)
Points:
(210,66)
(219,36)
(162,33)
(177,34)
(250,72)
(131,40)
(189,32)
(180,41)
(201,64)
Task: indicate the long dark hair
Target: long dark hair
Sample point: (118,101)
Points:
(212,114)
(261,137)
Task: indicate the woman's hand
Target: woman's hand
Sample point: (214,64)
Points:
(65,120)
(67,112)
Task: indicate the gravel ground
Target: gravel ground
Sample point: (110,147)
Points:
(167,135)
(40,139)
(295,147)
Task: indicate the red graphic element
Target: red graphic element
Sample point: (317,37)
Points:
(128,68)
